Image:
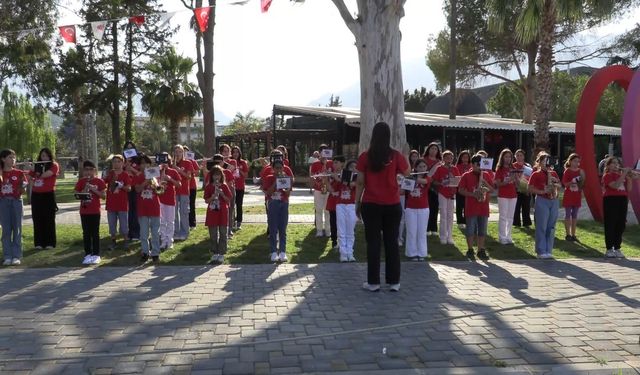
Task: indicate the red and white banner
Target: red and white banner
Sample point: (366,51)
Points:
(264,5)
(138,20)
(68,33)
(97,28)
(202,16)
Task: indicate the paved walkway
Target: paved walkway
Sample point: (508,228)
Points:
(82,312)
(68,213)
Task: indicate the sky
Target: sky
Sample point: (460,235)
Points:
(300,54)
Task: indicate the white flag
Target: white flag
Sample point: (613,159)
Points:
(97,29)
(23,34)
(165,17)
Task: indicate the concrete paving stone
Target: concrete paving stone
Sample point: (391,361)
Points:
(208,364)
(178,359)
(238,368)
(129,367)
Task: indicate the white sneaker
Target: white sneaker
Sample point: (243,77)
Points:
(611,253)
(370,287)
(220,258)
(96,259)
(394,287)
(274,257)
(618,253)
(344,258)
(7,262)
(283,257)
(87,259)
(38,247)
(351,258)
(50,247)
(15,262)
(319,234)
(327,233)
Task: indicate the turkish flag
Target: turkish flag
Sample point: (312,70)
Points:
(264,5)
(202,16)
(138,20)
(68,33)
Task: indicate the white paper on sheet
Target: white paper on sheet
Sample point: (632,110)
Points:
(151,172)
(408,184)
(130,153)
(283,183)
(486,164)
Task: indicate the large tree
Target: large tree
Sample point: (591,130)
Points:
(245,123)
(168,94)
(376,29)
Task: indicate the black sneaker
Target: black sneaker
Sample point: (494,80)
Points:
(482,254)
(144,258)
(574,239)
(471,255)
(568,238)
(112,245)
(155,259)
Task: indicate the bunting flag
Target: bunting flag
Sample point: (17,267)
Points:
(264,5)
(202,16)
(165,17)
(23,34)
(138,20)
(68,33)
(97,28)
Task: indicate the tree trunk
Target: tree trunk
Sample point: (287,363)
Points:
(381,92)
(115,115)
(174,130)
(130,87)
(205,81)
(544,77)
(452,60)
(530,85)
(81,136)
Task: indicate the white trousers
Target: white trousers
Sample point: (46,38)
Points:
(346,223)
(447,208)
(506,209)
(320,202)
(167,218)
(416,220)
(402,225)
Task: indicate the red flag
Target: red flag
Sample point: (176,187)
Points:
(68,33)
(202,16)
(138,20)
(264,5)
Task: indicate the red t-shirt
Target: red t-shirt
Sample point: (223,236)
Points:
(117,198)
(12,182)
(608,178)
(508,190)
(281,194)
(45,185)
(347,194)
(463,168)
(91,207)
(572,191)
(318,168)
(419,196)
(443,173)
(238,174)
(334,196)
(193,183)
(147,201)
(382,187)
(469,182)
(539,180)
(217,210)
(187,167)
(169,196)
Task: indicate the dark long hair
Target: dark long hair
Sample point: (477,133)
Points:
(425,156)
(46,151)
(239,152)
(463,153)
(379,151)
(3,154)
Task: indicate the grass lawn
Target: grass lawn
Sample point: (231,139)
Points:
(250,246)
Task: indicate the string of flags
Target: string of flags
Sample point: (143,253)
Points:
(69,32)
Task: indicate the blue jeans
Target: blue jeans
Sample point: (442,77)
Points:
(123,217)
(150,223)
(11,221)
(181,224)
(277,219)
(545,216)
(134,227)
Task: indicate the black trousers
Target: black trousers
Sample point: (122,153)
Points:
(239,200)
(381,225)
(334,227)
(523,210)
(460,219)
(615,220)
(192,207)
(433,211)
(43,213)
(134,225)
(91,233)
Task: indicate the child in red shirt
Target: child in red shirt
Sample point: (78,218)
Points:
(43,200)
(506,180)
(119,184)
(346,213)
(334,194)
(573,181)
(446,196)
(148,205)
(90,211)
(217,195)
(12,183)
(617,184)
(417,214)
(278,212)
(170,179)
(544,182)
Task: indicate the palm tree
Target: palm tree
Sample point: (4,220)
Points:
(537,21)
(168,94)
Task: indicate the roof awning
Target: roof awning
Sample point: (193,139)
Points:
(351,116)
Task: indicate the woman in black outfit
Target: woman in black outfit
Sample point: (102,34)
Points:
(433,157)
(43,200)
